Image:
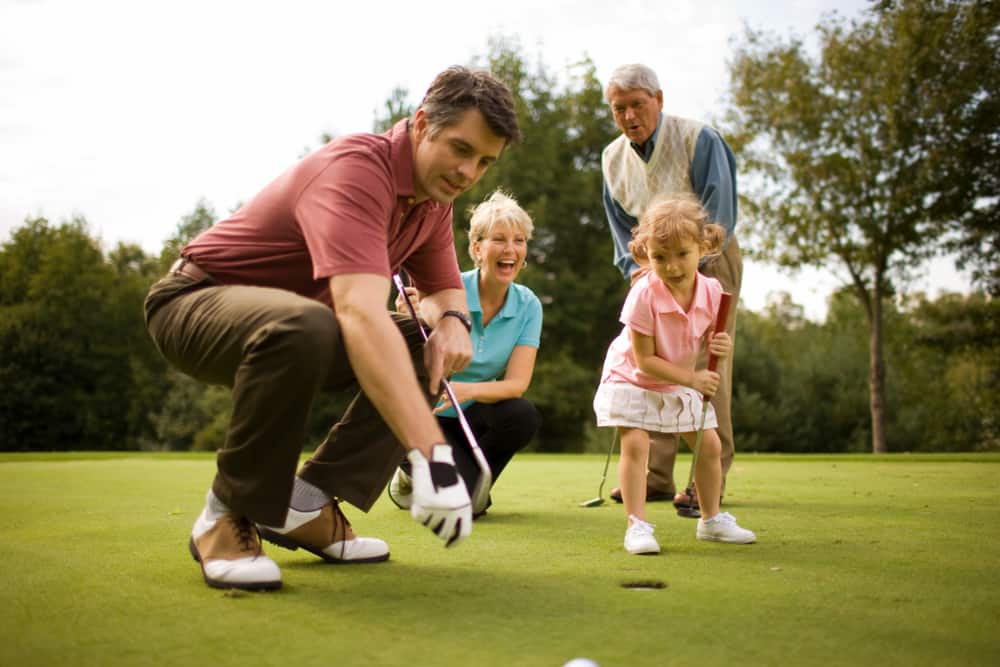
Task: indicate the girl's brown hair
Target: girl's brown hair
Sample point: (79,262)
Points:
(678,218)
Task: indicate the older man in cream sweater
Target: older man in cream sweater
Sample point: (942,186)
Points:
(658,155)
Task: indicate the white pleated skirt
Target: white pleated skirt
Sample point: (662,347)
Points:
(678,411)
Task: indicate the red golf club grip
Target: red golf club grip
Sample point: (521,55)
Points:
(720,326)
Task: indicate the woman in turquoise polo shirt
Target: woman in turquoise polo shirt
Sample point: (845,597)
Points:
(506,331)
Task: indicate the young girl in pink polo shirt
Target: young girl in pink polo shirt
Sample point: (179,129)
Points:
(649,382)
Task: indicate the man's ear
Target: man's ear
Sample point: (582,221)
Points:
(420,126)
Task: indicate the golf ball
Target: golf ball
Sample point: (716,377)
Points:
(581,662)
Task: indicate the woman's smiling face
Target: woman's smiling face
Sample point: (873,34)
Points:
(501,253)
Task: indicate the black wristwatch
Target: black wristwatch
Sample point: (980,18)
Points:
(460,316)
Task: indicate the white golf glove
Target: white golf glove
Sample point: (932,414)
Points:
(440,500)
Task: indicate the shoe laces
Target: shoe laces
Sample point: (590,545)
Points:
(246,534)
(640,527)
(339,518)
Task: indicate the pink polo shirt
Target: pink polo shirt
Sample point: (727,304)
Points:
(651,310)
(345,208)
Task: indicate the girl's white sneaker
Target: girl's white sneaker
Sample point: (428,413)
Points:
(639,537)
(723,528)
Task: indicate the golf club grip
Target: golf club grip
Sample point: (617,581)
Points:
(720,325)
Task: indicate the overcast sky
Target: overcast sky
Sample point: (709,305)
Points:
(128,113)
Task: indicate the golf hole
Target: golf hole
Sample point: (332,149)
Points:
(650,585)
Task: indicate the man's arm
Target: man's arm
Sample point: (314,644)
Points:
(381,361)
(621,224)
(449,348)
(713,178)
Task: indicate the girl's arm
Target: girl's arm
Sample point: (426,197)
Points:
(516,379)
(644,348)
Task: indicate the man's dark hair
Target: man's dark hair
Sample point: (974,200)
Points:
(458,89)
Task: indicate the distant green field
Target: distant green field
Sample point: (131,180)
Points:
(890,560)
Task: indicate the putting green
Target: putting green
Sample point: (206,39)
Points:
(889,560)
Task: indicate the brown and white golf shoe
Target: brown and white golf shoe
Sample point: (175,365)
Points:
(327,533)
(231,555)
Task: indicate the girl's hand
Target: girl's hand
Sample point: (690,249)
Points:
(705,382)
(721,345)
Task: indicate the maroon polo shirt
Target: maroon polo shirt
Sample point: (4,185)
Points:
(346,208)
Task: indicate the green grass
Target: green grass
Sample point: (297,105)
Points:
(888,560)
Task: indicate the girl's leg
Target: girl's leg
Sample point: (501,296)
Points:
(708,471)
(632,470)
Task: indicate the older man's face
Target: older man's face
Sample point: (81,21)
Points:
(636,112)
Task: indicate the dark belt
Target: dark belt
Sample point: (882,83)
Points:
(185,267)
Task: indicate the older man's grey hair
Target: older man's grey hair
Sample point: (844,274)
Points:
(632,77)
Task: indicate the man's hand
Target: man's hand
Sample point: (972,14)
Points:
(448,350)
(440,499)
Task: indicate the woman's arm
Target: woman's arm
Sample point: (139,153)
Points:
(515,382)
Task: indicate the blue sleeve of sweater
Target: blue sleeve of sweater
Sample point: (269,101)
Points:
(713,178)
(621,224)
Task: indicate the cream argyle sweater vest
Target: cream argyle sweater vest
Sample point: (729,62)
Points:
(634,183)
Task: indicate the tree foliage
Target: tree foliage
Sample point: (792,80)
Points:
(862,156)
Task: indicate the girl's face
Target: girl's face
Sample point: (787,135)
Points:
(500,255)
(675,263)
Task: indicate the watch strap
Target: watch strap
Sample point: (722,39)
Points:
(460,316)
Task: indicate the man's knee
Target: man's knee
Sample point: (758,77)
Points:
(303,336)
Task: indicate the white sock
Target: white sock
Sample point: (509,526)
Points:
(307,497)
(215,508)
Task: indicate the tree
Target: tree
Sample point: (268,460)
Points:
(65,361)
(864,155)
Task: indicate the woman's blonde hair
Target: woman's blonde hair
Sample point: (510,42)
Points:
(677,218)
(498,207)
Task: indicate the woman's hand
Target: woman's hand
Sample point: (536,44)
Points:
(414,299)
(460,389)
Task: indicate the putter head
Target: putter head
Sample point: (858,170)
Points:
(687,509)
(688,512)
(593,502)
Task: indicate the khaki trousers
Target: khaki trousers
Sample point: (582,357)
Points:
(728,269)
(277,351)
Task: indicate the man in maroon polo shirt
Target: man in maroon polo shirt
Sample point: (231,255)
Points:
(288,297)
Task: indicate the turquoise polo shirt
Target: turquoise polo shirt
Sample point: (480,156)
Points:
(519,322)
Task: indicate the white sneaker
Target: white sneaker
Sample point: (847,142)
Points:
(327,533)
(722,528)
(639,537)
(401,490)
(230,553)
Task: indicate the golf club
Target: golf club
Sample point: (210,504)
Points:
(688,511)
(599,500)
(481,494)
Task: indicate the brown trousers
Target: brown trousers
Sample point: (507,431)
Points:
(728,269)
(277,351)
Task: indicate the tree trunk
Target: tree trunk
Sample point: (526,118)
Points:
(876,372)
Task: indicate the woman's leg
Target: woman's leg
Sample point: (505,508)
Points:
(501,429)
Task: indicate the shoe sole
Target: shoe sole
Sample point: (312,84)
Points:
(399,504)
(227,585)
(292,545)
(705,538)
(644,553)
